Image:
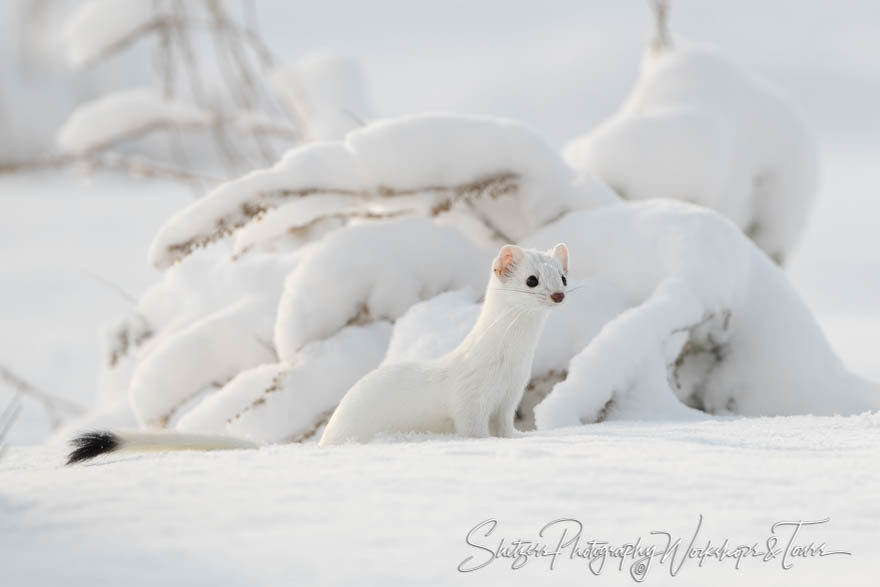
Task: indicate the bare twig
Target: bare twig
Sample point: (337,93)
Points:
(50,401)
(144,30)
(7,419)
(112,285)
(662,39)
(243,59)
(251,32)
(236,69)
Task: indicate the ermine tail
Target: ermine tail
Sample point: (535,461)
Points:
(91,444)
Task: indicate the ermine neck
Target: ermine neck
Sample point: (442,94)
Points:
(504,329)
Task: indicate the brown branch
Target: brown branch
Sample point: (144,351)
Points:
(53,162)
(147,28)
(130,335)
(248,211)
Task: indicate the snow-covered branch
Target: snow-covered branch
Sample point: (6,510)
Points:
(126,115)
(243,119)
(480,162)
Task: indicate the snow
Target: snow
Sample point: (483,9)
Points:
(176,370)
(397,513)
(125,114)
(373,271)
(311,386)
(745,149)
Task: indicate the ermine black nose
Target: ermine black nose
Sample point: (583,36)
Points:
(557,296)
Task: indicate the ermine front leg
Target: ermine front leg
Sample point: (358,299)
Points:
(472,424)
(501,422)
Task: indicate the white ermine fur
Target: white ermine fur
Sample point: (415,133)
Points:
(472,391)
(475,389)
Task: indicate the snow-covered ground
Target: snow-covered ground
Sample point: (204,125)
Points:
(398,513)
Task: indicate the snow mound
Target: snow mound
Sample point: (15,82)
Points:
(711,323)
(305,392)
(698,128)
(125,114)
(285,286)
(175,345)
(497,170)
(373,271)
(181,366)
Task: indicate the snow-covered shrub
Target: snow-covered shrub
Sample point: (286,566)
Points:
(300,269)
(698,128)
(285,286)
(494,175)
(223,120)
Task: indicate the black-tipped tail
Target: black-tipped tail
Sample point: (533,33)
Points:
(91,444)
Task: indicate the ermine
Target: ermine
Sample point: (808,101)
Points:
(472,391)
(475,389)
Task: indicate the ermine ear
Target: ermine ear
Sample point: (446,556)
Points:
(506,260)
(560,252)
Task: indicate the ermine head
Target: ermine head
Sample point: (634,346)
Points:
(525,276)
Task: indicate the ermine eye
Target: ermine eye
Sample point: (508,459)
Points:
(564,280)
(532,281)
